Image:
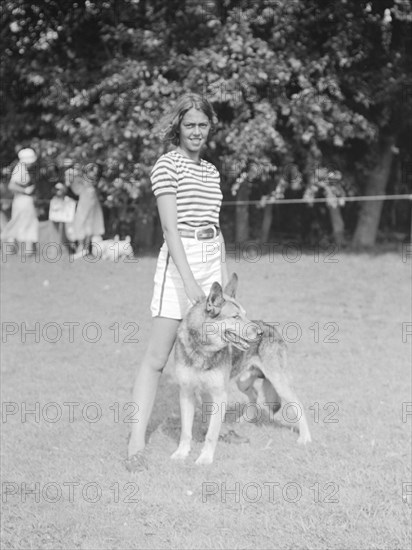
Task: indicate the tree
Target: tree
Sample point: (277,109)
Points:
(384,97)
(271,72)
(307,94)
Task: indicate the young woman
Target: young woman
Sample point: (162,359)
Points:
(187,189)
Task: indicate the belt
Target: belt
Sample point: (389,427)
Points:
(201,233)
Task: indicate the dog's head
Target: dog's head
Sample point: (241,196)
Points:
(225,319)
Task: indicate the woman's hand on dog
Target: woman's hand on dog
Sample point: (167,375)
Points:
(194,292)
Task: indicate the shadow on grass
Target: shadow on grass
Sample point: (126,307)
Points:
(170,427)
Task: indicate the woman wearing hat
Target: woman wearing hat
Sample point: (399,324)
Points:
(23,226)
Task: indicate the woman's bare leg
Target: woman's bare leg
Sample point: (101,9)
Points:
(28,247)
(162,338)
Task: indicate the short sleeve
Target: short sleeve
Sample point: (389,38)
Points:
(20,175)
(164,177)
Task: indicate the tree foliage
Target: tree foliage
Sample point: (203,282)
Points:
(305,92)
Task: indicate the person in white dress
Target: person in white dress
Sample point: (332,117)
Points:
(23,227)
(88,220)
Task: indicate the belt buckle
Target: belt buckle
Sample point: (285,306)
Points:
(208,228)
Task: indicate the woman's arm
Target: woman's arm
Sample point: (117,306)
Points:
(19,177)
(225,274)
(166,205)
(17,188)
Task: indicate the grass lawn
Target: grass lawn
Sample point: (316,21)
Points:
(64,484)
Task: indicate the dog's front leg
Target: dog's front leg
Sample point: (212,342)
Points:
(215,425)
(187,411)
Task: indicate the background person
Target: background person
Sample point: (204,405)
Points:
(88,219)
(62,205)
(23,226)
(187,189)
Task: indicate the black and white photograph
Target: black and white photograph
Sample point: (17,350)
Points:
(206,275)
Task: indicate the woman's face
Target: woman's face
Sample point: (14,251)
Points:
(193,131)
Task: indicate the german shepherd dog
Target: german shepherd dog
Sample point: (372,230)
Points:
(216,342)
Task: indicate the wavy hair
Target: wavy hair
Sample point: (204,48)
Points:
(168,126)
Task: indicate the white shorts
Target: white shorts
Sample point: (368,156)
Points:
(205,260)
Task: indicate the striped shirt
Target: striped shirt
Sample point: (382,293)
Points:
(196,186)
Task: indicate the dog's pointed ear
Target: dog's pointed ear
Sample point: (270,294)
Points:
(231,287)
(215,300)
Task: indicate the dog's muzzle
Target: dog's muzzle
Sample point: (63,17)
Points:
(243,342)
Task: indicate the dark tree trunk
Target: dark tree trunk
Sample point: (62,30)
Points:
(144,231)
(370,211)
(338,225)
(242,214)
(266,223)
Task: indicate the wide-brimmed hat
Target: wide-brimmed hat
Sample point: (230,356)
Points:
(28,156)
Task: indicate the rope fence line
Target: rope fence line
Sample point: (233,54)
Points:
(339,200)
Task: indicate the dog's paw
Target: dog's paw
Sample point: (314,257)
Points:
(180,454)
(204,459)
(304,438)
